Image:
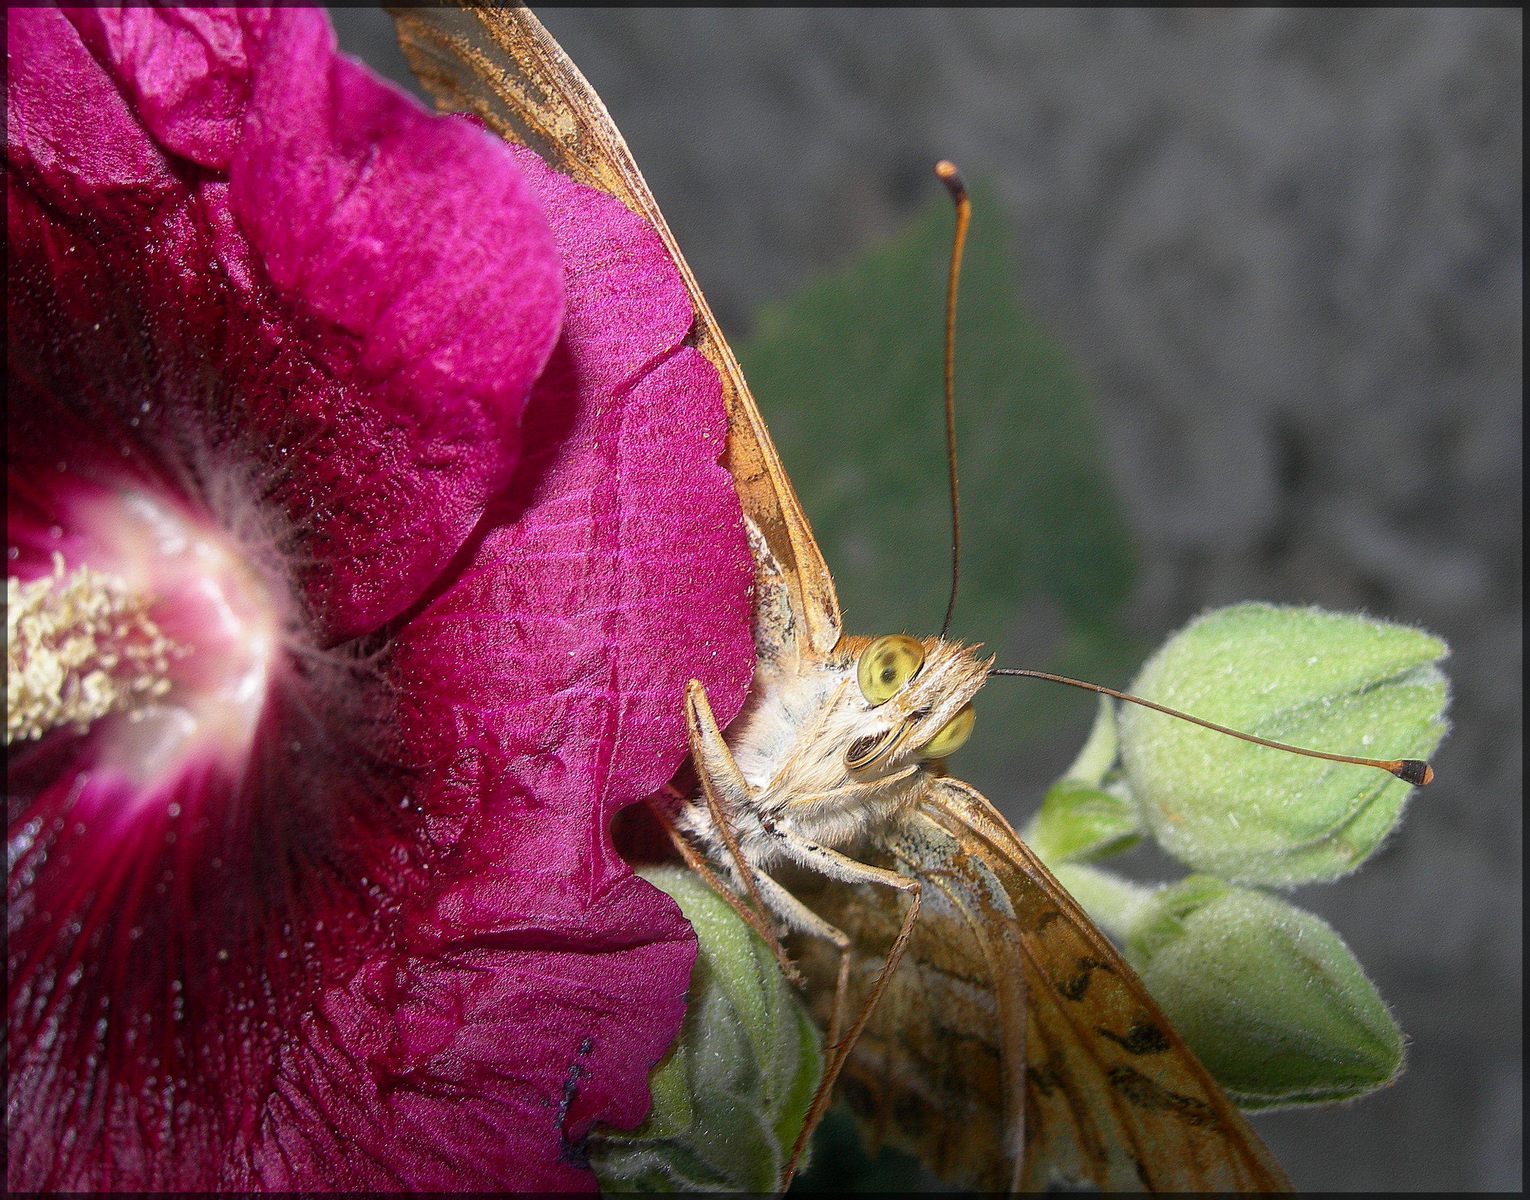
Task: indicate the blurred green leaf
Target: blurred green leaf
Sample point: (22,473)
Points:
(1097,757)
(1081,823)
(1089,813)
(848,377)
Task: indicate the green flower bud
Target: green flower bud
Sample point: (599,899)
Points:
(1267,995)
(730,1097)
(1324,681)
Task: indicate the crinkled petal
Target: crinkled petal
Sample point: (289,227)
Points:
(69,132)
(330,968)
(185,71)
(337,969)
(547,687)
(415,248)
(396,948)
(364,303)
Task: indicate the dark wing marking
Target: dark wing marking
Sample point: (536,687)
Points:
(1015,1048)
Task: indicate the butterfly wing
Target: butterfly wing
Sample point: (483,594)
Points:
(503,66)
(1015,1047)
(1113,1094)
(938,1070)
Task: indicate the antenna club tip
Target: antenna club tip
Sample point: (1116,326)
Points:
(1414,771)
(946,172)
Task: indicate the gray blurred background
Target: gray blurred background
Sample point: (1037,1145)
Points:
(1284,249)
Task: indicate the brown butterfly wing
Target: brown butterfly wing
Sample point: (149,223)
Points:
(1114,1094)
(938,1070)
(1010,968)
(503,66)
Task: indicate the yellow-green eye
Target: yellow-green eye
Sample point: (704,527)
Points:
(953,734)
(887,664)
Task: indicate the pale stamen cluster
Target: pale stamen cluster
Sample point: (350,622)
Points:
(80,644)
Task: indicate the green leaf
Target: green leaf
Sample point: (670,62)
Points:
(730,1097)
(1080,823)
(848,376)
(1338,683)
(1267,995)
(1086,816)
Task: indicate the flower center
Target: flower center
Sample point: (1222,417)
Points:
(79,645)
(166,639)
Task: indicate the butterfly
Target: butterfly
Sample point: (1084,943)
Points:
(980,1019)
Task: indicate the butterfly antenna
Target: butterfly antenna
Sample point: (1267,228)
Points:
(1412,771)
(947,173)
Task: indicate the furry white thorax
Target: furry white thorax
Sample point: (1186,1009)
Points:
(791,743)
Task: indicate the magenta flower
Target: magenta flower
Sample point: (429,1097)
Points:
(364,522)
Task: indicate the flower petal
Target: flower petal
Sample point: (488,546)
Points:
(549,677)
(69,132)
(384,286)
(185,71)
(336,969)
(413,245)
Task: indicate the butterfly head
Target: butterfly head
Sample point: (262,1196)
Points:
(912,702)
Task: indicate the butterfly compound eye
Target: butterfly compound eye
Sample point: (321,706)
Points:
(887,664)
(953,734)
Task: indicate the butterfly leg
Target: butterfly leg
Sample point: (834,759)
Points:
(805,920)
(698,863)
(726,791)
(832,863)
(802,918)
(784,905)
